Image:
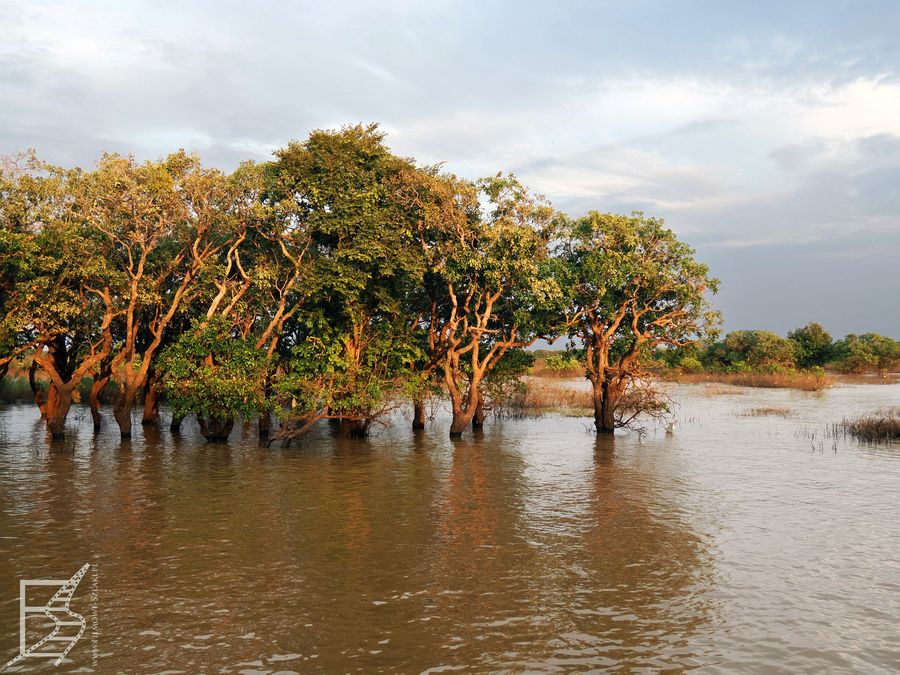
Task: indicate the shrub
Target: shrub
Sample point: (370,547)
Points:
(690,364)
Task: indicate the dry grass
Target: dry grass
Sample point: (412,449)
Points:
(768,411)
(797,380)
(874,378)
(545,397)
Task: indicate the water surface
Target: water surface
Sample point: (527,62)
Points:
(737,543)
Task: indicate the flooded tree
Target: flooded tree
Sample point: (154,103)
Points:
(153,226)
(243,293)
(353,336)
(494,291)
(214,374)
(632,286)
(59,296)
(344,278)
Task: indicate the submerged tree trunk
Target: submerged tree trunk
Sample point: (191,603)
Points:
(175,426)
(264,424)
(418,422)
(215,429)
(122,409)
(479,416)
(151,401)
(353,428)
(462,417)
(52,401)
(605,407)
(58,406)
(40,400)
(97,388)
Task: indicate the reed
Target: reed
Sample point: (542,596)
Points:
(767,411)
(880,427)
(15,390)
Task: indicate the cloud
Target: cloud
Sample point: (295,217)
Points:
(749,129)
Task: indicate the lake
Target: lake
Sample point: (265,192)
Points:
(738,542)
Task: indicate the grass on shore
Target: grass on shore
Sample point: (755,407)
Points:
(806,381)
(540,369)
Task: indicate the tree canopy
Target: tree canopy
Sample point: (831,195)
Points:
(336,281)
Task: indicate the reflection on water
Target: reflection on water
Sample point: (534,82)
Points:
(737,543)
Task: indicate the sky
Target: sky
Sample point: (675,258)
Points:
(767,134)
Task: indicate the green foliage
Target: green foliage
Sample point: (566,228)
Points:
(813,345)
(354,343)
(751,350)
(211,371)
(870,351)
(563,360)
(690,364)
(341,278)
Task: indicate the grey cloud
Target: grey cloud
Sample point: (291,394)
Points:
(797,155)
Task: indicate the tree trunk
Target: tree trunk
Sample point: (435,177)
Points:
(97,388)
(151,401)
(51,402)
(353,428)
(175,426)
(264,424)
(58,410)
(604,409)
(122,409)
(215,429)
(418,422)
(478,417)
(39,399)
(462,418)
(459,424)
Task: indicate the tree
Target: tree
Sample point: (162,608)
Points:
(343,186)
(59,298)
(759,350)
(438,204)
(812,345)
(22,199)
(142,228)
(870,351)
(632,286)
(493,287)
(214,373)
(246,284)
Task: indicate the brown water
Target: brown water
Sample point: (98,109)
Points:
(733,544)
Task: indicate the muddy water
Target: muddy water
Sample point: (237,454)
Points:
(736,543)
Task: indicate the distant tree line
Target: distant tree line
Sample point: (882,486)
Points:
(337,281)
(805,348)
